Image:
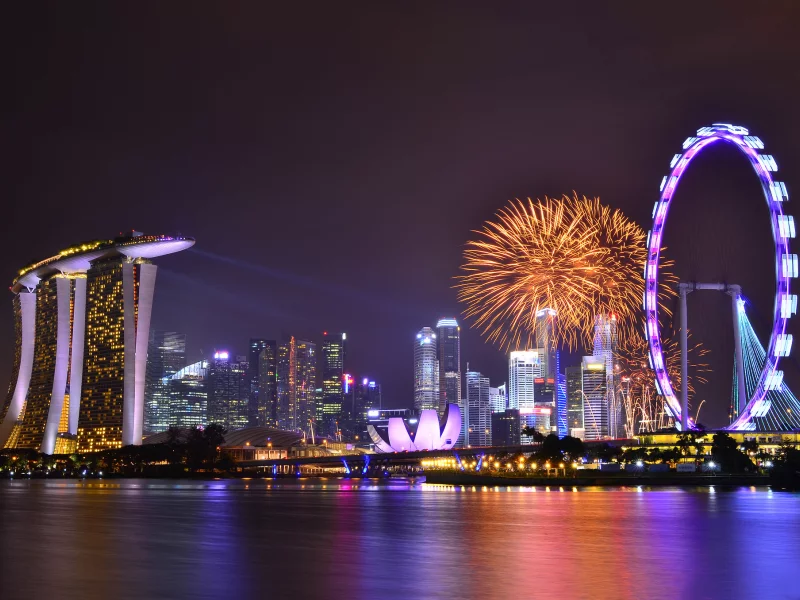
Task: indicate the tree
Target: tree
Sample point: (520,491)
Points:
(685,442)
(725,451)
(785,472)
(698,442)
(176,445)
(750,447)
(551,448)
(534,433)
(671,454)
(632,455)
(572,447)
(203,445)
(605,452)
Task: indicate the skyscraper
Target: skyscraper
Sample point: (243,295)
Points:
(286,375)
(267,406)
(188,392)
(561,424)
(498,399)
(479,415)
(605,349)
(448,345)
(261,374)
(347,416)
(524,367)
(228,391)
(367,397)
(426,371)
(306,382)
(166,355)
(82,330)
(333,353)
(575,400)
(506,428)
(297,384)
(538,418)
(545,342)
(595,399)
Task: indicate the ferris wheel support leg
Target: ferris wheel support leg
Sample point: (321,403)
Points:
(741,391)
(684,290)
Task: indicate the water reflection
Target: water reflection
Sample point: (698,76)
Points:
(312,538)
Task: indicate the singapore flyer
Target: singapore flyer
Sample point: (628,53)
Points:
(770,378)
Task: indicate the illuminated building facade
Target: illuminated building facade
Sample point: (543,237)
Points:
(561,425)
(448,347)
(605,348)
(188,396)
(478,419)
(54,296)
(367,398)
(574,400)
(498,399)
(166,355)
(524,367)
(506,428)
(332,356)
(268,385)
(595,398)
(306,381)
(228,391)
(545,342)
(82,323)
(296,384)
(538,418)
(285,379)
(426,371)
(263,385)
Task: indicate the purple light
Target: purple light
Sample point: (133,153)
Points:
(429,435)
(785,263)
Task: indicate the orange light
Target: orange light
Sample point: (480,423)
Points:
(579,255)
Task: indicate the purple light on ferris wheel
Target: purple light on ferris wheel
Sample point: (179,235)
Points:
(786,264)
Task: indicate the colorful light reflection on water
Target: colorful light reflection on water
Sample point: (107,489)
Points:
(318,538)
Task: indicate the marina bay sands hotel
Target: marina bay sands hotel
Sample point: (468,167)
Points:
(82,322)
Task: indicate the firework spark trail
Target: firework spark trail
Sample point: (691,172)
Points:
(644,407)
(573,255)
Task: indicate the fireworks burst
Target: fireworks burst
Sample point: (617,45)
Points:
(644,407)
(573,255)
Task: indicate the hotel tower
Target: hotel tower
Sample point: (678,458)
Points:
(82,324)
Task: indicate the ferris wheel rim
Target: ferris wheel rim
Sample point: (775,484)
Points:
(786,265)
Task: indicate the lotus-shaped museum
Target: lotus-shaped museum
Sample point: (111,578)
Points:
(430,433)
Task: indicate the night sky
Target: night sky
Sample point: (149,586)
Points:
(331,159)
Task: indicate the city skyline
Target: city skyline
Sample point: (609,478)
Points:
(388,264)
(469,284)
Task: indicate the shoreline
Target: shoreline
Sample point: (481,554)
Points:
(608,480)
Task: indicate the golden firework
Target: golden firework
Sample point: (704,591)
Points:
(644,406)
(573,255)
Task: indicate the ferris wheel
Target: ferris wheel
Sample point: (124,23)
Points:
(786,269)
